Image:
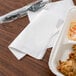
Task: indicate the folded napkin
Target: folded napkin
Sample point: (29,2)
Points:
(35,38)
(59,8)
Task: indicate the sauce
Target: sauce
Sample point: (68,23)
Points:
(72,31)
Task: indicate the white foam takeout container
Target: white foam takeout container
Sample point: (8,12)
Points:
(63,45)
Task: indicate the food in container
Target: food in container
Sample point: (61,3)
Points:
(62,51)
(68,67)
(72,31)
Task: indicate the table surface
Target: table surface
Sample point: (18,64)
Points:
(9,65)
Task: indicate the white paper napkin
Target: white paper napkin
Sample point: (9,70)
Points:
(60,8)
(34,39)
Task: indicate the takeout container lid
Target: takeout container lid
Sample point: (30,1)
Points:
(56,54)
